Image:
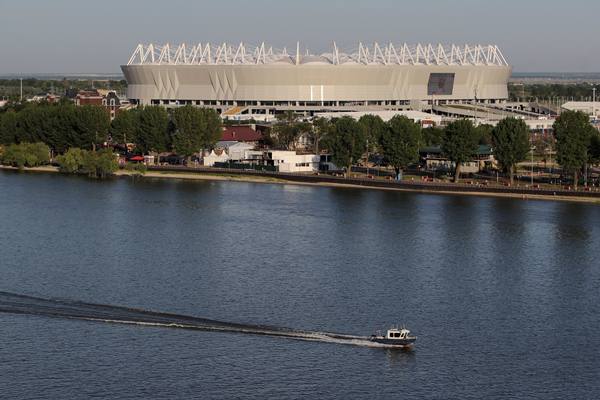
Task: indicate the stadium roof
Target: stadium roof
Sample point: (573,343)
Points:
(389,54)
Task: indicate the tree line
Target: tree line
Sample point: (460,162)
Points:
(185,130)
(400,140)
(11,88)
(541,91)
(188,130)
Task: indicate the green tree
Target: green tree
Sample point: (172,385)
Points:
(510,139)
(106,163)
(92,124)
(40,152)
(573,132)
(26,155)
(98,164)
(484,133)
(320,127)
(433,136)
(152,133)
(212,127)
(594,149)
(32,123)
(288,129)
(189,130)
(8,127)
(123,127)
(460,143)
(14,156)
(195,129)
(346,142)
(400,143)
(71,161)
(374,128)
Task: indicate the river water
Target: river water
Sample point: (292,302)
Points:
(503,294)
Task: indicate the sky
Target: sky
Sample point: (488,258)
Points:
(90,36)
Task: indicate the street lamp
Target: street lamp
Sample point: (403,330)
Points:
(532,149)
(594,102)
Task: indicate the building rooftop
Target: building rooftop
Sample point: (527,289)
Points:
(240,134)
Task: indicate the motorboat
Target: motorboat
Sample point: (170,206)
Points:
(395,337)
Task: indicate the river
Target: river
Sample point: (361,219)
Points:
(503,294)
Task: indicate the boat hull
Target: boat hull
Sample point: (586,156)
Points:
(400,343)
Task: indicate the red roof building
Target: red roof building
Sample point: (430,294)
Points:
(241,133)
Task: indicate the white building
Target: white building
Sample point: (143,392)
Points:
(239,79)
(588,107)
(534,124)
(289,161)
(238,151)
(235,150)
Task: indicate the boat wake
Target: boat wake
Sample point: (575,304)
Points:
(59,308)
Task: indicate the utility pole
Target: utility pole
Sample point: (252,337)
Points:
(21,89)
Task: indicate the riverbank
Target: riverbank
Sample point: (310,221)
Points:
(289,179)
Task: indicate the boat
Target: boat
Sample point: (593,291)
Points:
(395,337)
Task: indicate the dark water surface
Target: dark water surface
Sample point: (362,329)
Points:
(504,294)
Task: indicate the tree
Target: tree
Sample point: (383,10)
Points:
(400,143)
(8,127)
(510,139)
(32,123)
(98,164)
(319,129)
(91,124)
(71,161)
(460,143)
(594,149)
(123,127)
(484,133)
(106,163)
(152,134)
(195,129)
(573,131)
(374,128)
(288,129)
(433,136)
(95,164)
(188,126)
(346,142)
(26,155)
(212,127)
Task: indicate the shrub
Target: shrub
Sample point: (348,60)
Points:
(139,168)
(26,155)
(71,161)
(99,164)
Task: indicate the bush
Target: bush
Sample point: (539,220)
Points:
(26,155)
(71,161)
(105,162)
(99,164)
(138,168)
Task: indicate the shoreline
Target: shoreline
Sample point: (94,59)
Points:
(207,176)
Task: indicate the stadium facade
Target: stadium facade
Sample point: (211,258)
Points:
(241,78)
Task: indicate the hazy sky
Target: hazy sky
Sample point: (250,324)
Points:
(86,36)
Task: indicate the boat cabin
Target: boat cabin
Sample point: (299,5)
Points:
(395,333)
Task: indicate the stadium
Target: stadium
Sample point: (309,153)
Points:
(242,79)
